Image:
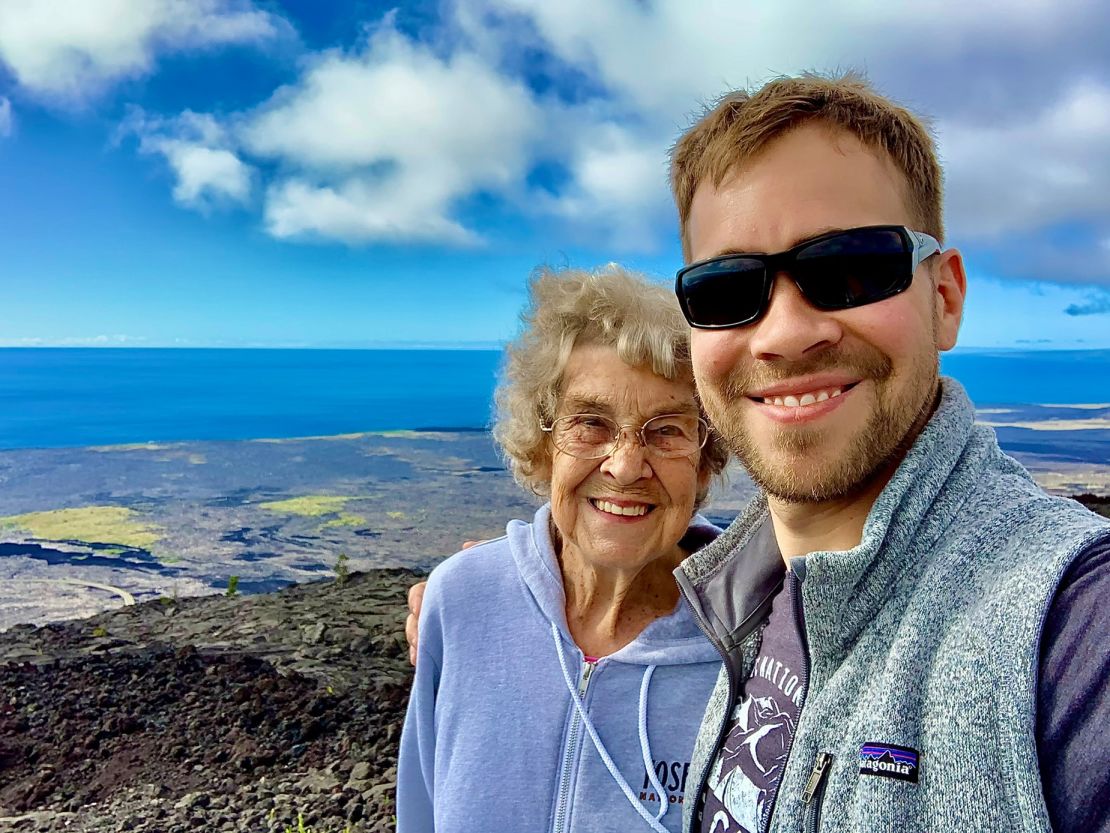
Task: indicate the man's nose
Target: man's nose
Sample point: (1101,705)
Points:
(792,327)
(627,463)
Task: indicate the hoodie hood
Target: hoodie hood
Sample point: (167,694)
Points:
(674,639)
(602,745)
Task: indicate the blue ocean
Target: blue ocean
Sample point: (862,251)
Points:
(55,397)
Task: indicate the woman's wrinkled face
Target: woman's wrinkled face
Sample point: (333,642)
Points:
(632,507)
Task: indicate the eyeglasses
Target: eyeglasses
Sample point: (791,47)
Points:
(592,436)
(839,270)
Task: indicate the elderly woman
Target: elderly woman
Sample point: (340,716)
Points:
(559,681)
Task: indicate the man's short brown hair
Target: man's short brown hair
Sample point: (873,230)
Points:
(741,124)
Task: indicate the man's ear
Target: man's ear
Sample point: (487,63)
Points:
(950,289)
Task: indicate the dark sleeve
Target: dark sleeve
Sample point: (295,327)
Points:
(1073,697)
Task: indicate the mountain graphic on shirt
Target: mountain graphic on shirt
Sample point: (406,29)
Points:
(750,764)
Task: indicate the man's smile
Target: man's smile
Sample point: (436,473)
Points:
(804,399)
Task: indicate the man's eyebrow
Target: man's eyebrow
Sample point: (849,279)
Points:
(797,242)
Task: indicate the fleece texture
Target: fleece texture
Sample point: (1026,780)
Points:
(926,636)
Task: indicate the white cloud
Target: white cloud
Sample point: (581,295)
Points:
(199,151)
(70,49)
(1026,144)
(663,57)
(1040,167)
(205,173)
(359,211)
(618,188)
(382,144)
(7,121)
(394,140)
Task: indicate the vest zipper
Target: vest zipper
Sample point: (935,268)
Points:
(571,750)
(703,777)
(814,794)
(753,620)
(793,585)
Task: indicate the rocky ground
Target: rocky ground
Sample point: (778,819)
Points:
(1096,503)
(212,713)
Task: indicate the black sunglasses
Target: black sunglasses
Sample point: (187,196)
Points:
(839,270)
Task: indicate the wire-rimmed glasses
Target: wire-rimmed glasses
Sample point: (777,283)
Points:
(592,436)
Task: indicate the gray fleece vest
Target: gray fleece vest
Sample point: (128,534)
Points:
(926,636)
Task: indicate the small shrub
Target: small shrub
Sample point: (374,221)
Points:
(100,632)
(300,828)
(342,573)
(232,586)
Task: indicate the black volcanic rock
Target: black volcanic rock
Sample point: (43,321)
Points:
(1096,503)
(224,713)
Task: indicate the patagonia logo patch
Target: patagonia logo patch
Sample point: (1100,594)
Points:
(889,761)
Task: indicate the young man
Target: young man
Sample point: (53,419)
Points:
(915,636)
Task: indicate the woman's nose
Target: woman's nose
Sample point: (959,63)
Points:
(627,462)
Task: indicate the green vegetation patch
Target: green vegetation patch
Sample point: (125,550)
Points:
(345,519)
(308,506)
(90,524)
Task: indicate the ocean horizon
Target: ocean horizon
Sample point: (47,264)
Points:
(55,397)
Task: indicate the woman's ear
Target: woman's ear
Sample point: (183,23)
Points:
(704,478)
(541,474)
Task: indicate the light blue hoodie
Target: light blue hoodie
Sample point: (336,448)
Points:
(494,739)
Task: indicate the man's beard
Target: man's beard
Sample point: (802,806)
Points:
(791,472)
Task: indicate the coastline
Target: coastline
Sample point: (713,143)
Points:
(88,529)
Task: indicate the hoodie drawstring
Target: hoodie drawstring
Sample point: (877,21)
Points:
(644,748)
(649,764)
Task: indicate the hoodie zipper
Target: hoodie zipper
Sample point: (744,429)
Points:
(571,750)
(760,612)
(814,794)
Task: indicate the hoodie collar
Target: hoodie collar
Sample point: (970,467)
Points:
(674,639)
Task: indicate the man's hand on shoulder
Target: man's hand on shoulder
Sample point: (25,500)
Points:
(416,600)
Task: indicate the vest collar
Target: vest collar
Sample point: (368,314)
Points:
(842,591)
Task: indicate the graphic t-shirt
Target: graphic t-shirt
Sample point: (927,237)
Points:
(743,780)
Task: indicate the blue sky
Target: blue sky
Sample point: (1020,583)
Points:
(238,173)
